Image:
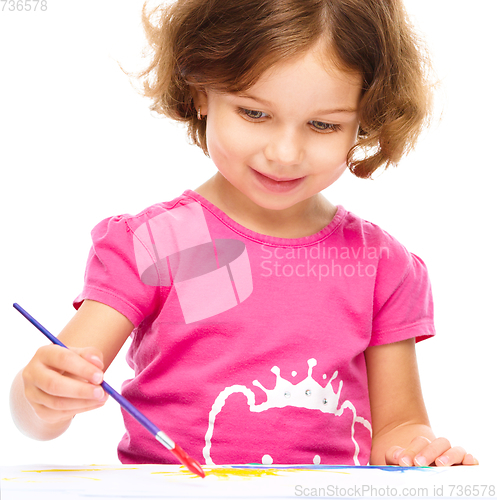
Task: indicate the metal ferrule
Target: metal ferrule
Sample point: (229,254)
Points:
(165,440)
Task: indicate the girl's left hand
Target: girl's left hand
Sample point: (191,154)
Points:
(421,451)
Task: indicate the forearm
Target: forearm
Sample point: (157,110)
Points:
(401,435)
(26,419)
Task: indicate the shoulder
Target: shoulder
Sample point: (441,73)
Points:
(402,300)
(359,231)
(130,223)
(395,265)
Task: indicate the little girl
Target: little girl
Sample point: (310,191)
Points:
(268,325)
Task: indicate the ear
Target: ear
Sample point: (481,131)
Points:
(200,98)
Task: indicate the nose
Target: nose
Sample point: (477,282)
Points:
(284,147)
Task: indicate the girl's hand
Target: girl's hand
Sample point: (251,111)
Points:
(421,451)
(60,383)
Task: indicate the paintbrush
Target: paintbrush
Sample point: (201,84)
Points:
(173,447)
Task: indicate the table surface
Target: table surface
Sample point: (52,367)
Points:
(99,482)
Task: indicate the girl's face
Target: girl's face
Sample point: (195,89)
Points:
(285,139)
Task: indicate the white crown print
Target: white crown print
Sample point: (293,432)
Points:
(307,393)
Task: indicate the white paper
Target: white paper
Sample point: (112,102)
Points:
(99,482)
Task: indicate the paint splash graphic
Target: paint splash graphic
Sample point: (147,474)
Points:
(308,394)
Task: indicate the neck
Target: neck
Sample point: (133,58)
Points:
(302,219)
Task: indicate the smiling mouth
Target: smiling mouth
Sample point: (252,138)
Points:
(276,184)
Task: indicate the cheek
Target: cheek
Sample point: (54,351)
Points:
(331,157)
(337,154)
(330,172)
(225,142)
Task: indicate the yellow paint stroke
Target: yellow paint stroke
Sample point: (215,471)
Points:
(79,470)
(248,473)
(51,480)
(225,473)
(20,480)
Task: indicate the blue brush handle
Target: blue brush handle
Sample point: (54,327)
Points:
(132,410)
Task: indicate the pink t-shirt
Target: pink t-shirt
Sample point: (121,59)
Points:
(250,348)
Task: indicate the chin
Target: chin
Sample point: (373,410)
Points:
(269,202)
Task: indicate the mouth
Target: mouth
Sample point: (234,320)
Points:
(277,184)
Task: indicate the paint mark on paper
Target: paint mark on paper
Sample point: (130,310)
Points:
(80,470)
(226,473)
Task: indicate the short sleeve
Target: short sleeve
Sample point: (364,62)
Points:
(111,275)
(403,302)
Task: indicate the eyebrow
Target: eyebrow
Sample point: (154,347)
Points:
(320,112)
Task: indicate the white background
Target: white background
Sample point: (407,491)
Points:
(79,144)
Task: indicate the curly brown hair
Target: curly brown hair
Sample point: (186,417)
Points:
(226,45)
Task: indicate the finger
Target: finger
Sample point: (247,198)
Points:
(40,397)
(69,361)
(92,355)
(61,405)
(406,458)
(51,415)
(434,450)
(470,460)
(54,383)
(451,457)
(392,455)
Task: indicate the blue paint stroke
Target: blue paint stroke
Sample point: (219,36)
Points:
(387,468)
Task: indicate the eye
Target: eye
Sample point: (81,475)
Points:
(325,127)
(252,114)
